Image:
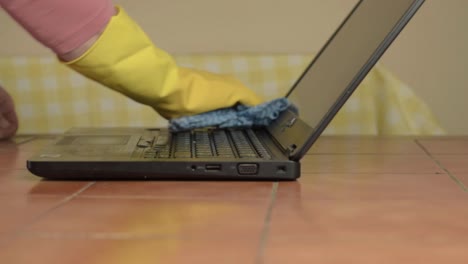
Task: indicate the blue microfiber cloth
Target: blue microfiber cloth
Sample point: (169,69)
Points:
(237,116)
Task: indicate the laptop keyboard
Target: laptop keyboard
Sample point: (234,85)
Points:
(208,144)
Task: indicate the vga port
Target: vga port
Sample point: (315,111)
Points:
(247,168)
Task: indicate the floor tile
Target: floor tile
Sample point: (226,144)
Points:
(365,145)
(457,145)
(463,178)
(14,160)
(196,218)
(356,231)
(22,182)
(116,251)
(17,211)
(420,164)
(372,187)
(384,220)
(8,146)
(183,189)
(303,251)
(454,163)
(359,200)
(14,156)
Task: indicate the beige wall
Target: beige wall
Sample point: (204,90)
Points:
(430,55)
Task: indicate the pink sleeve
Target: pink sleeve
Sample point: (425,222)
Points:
(61,25)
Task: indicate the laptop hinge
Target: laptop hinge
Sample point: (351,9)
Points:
(290,150)
(290,132)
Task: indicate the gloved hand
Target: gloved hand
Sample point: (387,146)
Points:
(8,118)
(125,59)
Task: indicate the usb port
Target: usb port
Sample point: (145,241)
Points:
(213,167)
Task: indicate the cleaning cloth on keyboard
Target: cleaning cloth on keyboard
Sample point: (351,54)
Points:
(238,116)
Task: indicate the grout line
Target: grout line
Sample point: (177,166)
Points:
(266,225)
(77,192)
(452,176)
(21,230)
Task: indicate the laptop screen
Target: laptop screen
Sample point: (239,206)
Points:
(345,60)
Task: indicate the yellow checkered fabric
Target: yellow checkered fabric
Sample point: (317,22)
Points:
(50,98)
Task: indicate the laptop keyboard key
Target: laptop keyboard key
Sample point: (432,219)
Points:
(242,143)
(182,155)
(209,143)
(258,145)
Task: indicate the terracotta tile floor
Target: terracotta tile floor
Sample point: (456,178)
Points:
(359,200)
(463,178)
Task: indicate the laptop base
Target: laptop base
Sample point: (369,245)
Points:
(169,170)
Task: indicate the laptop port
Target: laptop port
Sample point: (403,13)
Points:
(213,167)
(247,168)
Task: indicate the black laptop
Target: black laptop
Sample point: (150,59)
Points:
(260,153)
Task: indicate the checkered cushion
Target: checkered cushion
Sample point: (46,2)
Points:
(51,98)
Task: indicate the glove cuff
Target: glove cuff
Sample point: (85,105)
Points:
(122,56)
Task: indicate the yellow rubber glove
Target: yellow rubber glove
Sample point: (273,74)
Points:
(125,59)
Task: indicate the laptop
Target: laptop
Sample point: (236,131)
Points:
(260,153)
